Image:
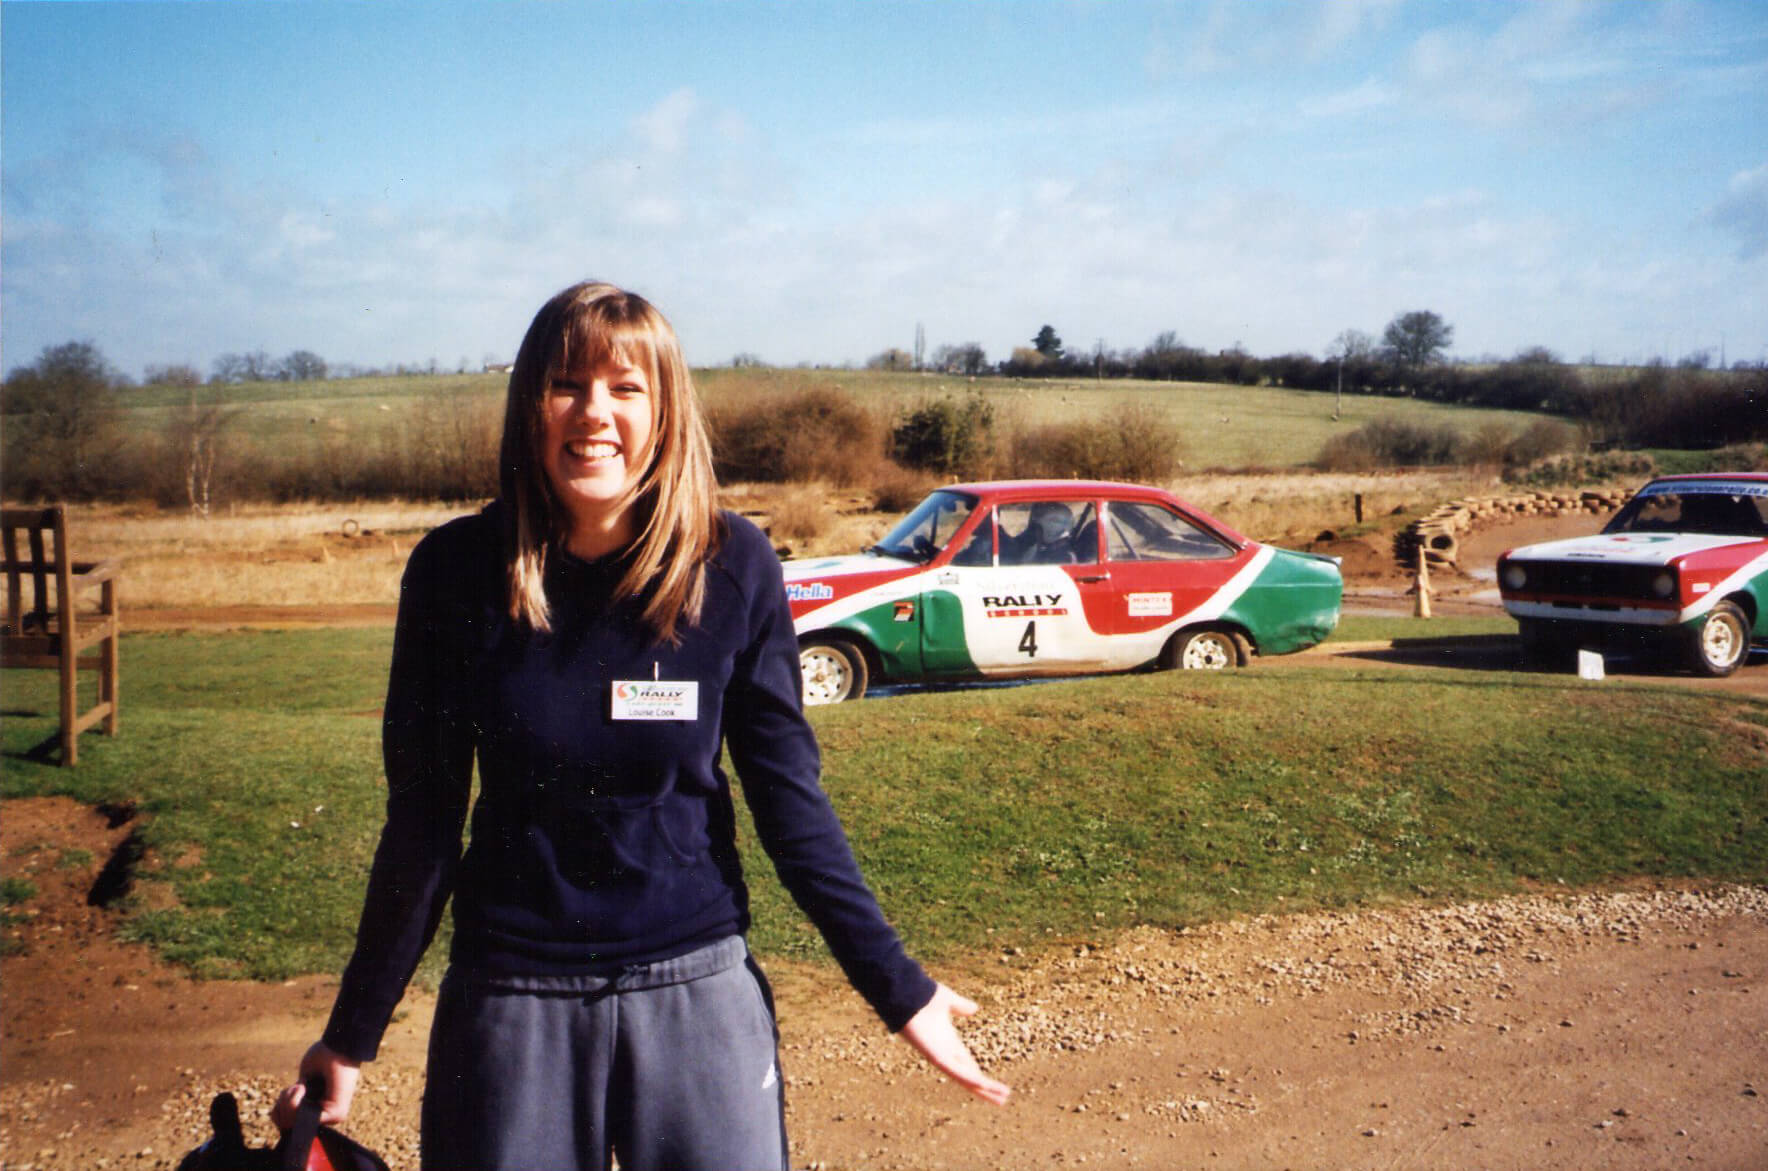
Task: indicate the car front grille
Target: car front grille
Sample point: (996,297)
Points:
(1583,579)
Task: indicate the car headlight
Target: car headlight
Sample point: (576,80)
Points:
(1515,576)
(1663,585)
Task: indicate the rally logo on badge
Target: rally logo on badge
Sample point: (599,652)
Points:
(656,700)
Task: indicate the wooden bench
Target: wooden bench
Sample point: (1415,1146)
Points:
(45,625)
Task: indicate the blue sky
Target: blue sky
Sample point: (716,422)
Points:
(396,182)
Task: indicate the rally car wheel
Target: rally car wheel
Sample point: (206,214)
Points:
(833,671)
(1721,641)
(1204,650)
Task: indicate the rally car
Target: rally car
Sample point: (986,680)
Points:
(1052,577)
(1683,567)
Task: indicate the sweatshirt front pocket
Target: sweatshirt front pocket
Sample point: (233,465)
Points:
(680,824)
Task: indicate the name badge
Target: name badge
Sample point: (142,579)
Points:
(656,700)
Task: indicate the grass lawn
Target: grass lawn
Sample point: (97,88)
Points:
(985,817)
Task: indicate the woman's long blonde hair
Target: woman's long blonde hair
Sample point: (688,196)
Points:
(674,499)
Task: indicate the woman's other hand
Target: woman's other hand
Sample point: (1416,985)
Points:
(340,1075)
(933,1032)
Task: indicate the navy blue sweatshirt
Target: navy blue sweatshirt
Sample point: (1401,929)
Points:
(597,842)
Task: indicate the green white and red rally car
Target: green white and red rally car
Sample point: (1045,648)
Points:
(1050,577)
(1683,566)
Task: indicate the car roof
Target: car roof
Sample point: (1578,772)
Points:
(1697,477)
(1041,489)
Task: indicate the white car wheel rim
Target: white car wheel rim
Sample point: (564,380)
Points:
(826,677)
(1718,641)
(1209,653)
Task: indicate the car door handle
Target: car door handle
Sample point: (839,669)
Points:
(1093,577)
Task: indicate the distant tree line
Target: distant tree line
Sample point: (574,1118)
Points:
(1690,405)
(64,436)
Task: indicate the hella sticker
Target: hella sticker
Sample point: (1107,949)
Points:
(814,591)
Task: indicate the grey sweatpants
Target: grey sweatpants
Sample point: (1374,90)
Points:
(668,1065)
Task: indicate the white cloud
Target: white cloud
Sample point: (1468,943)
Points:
(1372,94)
(663,128)
(1743,212)
(1341,21)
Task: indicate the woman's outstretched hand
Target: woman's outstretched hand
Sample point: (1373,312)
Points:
(340,1074)
(933,1033)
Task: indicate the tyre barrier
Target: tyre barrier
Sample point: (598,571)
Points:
(1438,533)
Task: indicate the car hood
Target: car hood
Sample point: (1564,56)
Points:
(1625,548)
(820,568)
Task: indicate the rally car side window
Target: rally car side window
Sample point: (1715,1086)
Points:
(924,532)
(1048,532)
(1148,532)
(979,549)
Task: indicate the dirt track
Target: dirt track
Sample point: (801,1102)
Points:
(1621,1030)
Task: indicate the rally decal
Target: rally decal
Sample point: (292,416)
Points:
(1705,488)
(1028,606)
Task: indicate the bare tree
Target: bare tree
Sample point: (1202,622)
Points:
(1417,338)
(302,366)
(177,374)
(195,433)
(249,366)
(891,359)
(1351,345)
(968,358)
(62,425)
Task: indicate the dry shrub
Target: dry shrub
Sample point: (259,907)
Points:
(1389,443)
(1540,439)
(895,488)
(799,514)
(1136,442)
(817,434)
(946,435)
(1579,468)
(1488,446)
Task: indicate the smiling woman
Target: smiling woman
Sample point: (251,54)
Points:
(595,642)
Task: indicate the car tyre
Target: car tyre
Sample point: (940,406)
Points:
(1204,650)
(1720,641)
(833,671)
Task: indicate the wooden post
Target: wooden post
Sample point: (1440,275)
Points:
(1421,587)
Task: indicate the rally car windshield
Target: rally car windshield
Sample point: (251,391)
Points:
(925,531)
(1717,509)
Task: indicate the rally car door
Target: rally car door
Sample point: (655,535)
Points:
(1017,608)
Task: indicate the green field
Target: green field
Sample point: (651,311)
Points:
(1222,426)
(985,817)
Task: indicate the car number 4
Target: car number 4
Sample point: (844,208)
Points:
(1028,641)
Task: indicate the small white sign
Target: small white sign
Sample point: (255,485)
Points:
(656,700)
(1589,664)
(1150,605)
